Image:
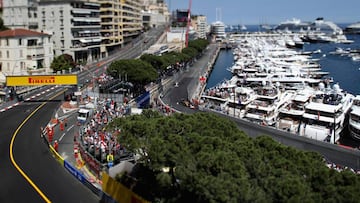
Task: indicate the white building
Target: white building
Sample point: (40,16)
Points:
(20,14)
(75,27)
(24,52)
(218,30)
(200,26)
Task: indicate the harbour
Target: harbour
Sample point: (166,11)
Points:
(342,72)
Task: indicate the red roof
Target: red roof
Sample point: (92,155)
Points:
(21,33)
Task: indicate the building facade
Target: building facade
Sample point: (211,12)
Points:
(121,23)
(25,52)
(20,14)
(200,26)
(155,13)
(75,28)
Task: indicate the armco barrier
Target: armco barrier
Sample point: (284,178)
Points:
(77,174)
(72,170)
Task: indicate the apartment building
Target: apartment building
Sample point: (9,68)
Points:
(88,30)
(75,27)
(121,23)
(25,52)
(200,26)
(154,13)
(20,14)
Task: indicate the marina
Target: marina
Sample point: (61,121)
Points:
(286,88)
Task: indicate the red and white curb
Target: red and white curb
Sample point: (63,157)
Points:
(9,107)
(28,99)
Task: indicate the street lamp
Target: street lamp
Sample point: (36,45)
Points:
(334,125)
(234,100)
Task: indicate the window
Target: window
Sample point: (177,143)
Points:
(7,42)
(22,65)
(20,42)
(0,54)
(21,53)
(7,54)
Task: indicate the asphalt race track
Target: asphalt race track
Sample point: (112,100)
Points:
(47,180)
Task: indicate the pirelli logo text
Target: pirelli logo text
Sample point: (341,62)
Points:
(35,80)
(41,80)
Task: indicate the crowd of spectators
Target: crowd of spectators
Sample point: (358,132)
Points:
(98,142)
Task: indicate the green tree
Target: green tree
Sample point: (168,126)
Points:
(155,61)
(138,72)
(205,158)
(62,62)
(199,44)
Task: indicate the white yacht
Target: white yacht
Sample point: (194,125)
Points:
(353,28)
(324,117)
(354,119)
(291,113)
(239,100)
(264,108)
(319,30)
(229,98)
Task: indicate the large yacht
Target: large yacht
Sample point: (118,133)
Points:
(320,30)
(293,25)
(353,28)
(325,114)
(291,113)
(264,109)
(354,119)
(229,98)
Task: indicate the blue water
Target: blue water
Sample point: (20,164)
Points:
(219,72)
(344,71)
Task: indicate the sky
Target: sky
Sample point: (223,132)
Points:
(255,12)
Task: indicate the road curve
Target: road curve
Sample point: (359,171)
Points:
(43,179)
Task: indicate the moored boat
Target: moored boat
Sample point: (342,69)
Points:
(354,119)
(324,117)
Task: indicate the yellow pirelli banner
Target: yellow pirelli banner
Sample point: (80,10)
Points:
(35,80)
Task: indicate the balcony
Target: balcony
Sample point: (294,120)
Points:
(86,22)
(35,50)
(85,43)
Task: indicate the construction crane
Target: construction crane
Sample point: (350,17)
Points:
(188,25)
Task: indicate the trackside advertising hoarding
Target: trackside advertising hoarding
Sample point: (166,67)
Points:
(35,80)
